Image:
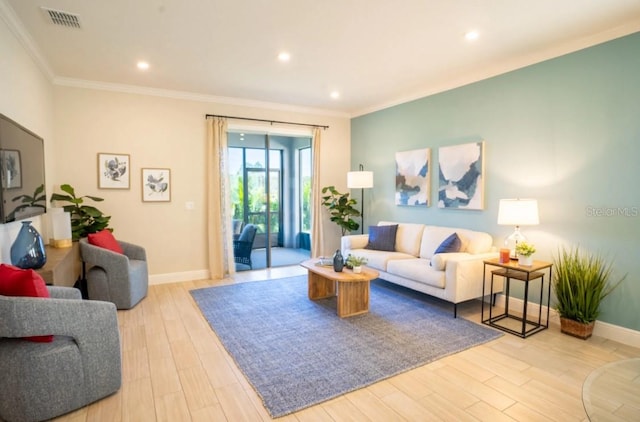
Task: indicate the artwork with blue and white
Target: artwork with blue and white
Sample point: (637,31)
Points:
(460,176)
(412,177)
(156,185)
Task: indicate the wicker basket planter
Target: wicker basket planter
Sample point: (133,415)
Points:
(576,329)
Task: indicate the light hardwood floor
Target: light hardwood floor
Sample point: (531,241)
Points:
(175,369)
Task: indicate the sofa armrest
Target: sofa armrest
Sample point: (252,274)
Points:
(464,275)
(353,241)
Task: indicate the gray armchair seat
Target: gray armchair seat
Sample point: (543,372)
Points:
(82,364)
(113,277)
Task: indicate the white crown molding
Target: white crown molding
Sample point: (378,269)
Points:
(17,28)
(191,96)
(515,63)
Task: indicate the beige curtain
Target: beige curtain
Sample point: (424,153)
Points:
(317,238)
(219,230)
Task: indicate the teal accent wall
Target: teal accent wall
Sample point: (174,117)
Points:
(565,131)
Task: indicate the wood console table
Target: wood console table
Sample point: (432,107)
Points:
(63,267)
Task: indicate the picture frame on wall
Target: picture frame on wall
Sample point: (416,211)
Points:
(156,185)
(114,171)
(11,167)
(413,177)
(461,176)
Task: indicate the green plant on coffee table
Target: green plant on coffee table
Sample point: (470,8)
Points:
(525,249)
(85,219)
(356,261)
(580,282)
(341,209)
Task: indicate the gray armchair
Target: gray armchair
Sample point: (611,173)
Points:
(113,277)
(40,381)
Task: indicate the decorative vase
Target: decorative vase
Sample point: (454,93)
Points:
(525,261)
(338,261)
(576,329)
(27,251)
(357,270)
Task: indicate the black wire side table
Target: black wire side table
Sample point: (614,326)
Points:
(524,325)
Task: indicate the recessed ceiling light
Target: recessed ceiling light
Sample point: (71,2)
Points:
(143,65)
(284,56)
(471,35)
(335,95)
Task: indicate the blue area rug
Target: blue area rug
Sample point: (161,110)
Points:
(297,352)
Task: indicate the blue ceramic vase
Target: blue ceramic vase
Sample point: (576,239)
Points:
(28,249)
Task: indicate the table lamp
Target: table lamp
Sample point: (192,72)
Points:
(360,180)
(517,212)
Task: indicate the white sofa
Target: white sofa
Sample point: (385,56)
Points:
(453,277)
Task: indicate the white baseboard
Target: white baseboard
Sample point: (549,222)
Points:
(178,277)
(602,329)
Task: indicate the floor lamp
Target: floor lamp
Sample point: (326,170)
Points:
(360,180)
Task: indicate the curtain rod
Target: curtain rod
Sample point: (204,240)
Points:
(267,121)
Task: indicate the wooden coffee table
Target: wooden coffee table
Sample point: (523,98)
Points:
(351,289)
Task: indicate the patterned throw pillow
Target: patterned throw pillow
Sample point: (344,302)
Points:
(382,238)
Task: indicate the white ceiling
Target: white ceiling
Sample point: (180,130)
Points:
(376,53)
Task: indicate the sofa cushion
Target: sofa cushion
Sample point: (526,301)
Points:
(471,241)
(382,238)
(15,281)
(408,237)
(419,270)
(379,259)
(106,240)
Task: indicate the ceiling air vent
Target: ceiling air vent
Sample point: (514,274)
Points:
(58,17)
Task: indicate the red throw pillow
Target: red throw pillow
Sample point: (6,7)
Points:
(15,281)
(105,239)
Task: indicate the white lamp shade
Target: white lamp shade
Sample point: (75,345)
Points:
(359,179)
(518,212)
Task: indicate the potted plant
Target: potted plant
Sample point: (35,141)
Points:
(356,263)
(580,282)
(525,253)
(341,209)
(85,219)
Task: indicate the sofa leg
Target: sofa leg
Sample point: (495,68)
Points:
(493,302)
(455,310)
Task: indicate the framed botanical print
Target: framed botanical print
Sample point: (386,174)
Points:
(113,171)
(156,185)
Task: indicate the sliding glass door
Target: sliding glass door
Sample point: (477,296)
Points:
(265,175)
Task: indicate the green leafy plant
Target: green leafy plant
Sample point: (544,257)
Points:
(28,201)
(580,282)
(341,209)
(85,219)
(525,249)
(356,261)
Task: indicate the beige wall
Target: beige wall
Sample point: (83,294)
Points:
(26,96)
(164,132)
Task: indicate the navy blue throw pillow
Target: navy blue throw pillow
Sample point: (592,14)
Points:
(382,238)
(450,244)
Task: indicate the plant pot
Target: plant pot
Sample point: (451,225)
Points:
(525,261)
(576,329)
(357,270)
